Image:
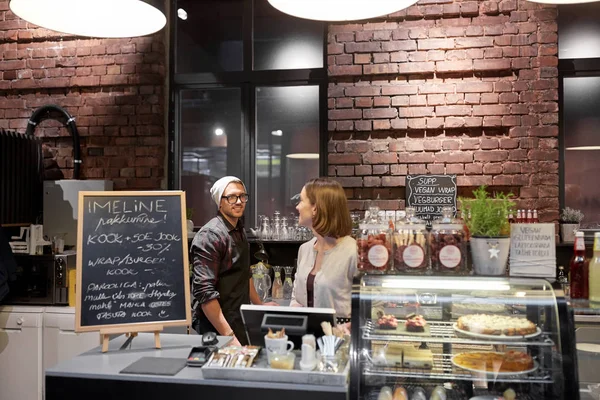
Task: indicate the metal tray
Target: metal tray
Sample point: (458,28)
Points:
(260,372)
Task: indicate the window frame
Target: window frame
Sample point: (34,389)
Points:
(248,80)
(569,68)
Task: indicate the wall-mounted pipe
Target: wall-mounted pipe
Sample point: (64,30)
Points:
(58,113)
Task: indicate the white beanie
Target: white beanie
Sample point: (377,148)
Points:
(216,191)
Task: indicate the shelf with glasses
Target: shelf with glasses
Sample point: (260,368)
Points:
(443,332)
(444,370)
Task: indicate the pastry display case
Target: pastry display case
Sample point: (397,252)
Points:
(460,338)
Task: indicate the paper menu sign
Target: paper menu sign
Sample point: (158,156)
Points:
(532,250)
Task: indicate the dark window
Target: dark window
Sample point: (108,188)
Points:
(211,132)
(582,144)
(579,94)
(210,39)
(287,145)
(252,72)
(285,42)
(579,28)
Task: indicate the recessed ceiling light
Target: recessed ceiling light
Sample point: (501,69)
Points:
(278,132)
(219,131)
(94,18)
(182,14)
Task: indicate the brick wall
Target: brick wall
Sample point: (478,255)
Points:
(113,87)
(458,87)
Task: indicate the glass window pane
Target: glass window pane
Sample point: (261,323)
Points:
(285,42)
(211,130)
(582,145)
(210,39)
(579,29)
(287,145)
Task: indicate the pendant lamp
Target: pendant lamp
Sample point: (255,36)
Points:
(559,2)
(340,10)
(94,18)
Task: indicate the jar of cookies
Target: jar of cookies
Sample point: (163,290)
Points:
(447,244)
(374,243)
(410,247)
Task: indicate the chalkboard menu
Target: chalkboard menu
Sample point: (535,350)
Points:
(132,260)
(429,193)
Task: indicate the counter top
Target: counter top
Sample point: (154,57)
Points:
(94,371)
(585,310)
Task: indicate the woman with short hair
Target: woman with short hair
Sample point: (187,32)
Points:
(326,263)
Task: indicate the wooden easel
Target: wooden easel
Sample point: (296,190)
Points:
(105,333)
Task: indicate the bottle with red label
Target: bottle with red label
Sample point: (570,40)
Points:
(374,243)
(536,219)
(410,244)
(578,270)
(447,244)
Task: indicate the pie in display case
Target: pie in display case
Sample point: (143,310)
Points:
(422,338)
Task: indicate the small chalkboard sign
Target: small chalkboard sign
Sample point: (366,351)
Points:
(132,262)
(429,193)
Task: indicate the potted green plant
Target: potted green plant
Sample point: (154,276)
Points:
(570,219)
(486,217)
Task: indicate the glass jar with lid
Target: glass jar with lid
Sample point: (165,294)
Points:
(448,247)
(374,243)
(410,244)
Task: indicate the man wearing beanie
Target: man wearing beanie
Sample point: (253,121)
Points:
(222,278)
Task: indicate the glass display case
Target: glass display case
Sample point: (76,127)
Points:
(417,337)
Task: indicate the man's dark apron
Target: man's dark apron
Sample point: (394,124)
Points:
(234,290)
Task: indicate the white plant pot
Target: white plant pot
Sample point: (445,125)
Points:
(489,255)
(567,232)
(190,226)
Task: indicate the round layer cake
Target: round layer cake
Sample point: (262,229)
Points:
(511,361)
(496,325)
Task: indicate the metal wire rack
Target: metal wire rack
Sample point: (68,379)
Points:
(443,369)
(443,332)
(451,394)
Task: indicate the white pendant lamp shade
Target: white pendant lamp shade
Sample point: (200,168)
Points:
(340,10)
(563,1)
(95,18)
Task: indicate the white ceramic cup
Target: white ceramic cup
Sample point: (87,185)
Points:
(277,346)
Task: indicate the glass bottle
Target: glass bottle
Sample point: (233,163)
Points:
(448,247)
(579,280)
(410,244)
(277,288)
(374,243)
(288,285)
(594,271)
(265,230)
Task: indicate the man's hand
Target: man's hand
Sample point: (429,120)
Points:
(271,303)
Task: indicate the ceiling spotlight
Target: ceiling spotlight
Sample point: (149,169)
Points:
(219,131)
(94,18)
(278,132)
(340,10)
(182,14)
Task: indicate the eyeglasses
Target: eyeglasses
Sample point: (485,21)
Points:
(233,198)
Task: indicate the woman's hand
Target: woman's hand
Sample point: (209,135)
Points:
(234,342)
